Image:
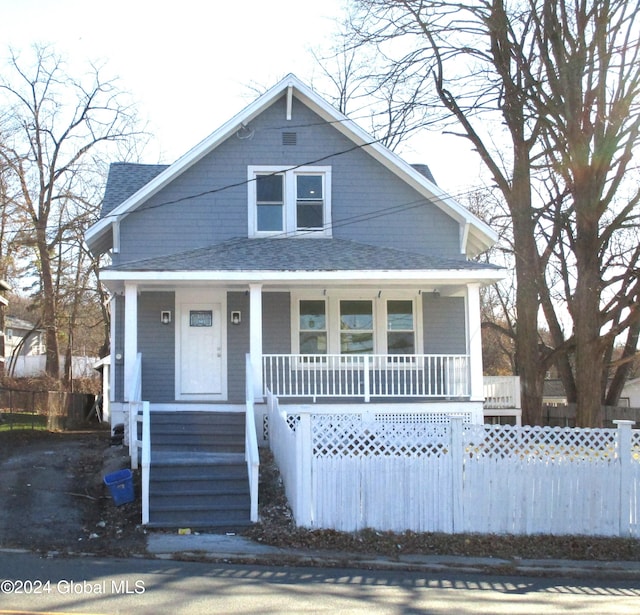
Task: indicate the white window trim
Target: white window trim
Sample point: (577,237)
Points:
(289,210)
(379,317)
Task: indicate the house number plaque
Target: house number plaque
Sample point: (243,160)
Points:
(200,318)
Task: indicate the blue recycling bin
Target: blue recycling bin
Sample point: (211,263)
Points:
(120,485)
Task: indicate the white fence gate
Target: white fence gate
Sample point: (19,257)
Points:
(352,471)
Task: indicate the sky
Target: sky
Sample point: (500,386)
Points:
(193,64)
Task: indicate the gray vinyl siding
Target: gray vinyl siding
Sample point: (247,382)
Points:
(156,342)
(444,323)
(276,335)
(276,331)
(237,346)
(369,203)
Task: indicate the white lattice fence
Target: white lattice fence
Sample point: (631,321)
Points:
(541,480)
(357,464)
(408,473)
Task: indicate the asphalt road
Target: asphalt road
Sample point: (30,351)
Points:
(31,584)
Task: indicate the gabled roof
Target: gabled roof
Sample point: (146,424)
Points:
(126,179)
(476,235)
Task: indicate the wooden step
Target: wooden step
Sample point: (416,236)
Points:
(198,474)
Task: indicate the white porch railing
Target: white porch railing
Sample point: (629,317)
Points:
(367,376)
(502,397)
(501,392)
(251,442)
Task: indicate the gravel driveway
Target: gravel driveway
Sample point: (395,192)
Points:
(52,496)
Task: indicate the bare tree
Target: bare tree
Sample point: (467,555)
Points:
(56,130)
(547,92)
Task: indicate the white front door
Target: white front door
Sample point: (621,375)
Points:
(200,351)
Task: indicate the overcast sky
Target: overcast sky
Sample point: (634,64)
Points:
(189,64)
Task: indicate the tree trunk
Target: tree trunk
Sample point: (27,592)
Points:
(528,360)
(48,308)
(586,310)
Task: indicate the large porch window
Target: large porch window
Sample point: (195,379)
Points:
(355,325)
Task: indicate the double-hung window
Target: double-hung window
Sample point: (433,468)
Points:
(270,202)
(289,201)
(400,327)
(356,327)
(313,326)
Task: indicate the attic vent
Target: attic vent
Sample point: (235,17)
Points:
(289,138)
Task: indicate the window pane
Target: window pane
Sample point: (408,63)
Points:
(312,315)
(269,217)
(269,188)
(400,343)
(356,343)
(200,318)
(309,187)
(309,214)
(400,315)
(313,343)
(356,315)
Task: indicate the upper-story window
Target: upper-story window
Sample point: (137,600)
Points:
(289,201)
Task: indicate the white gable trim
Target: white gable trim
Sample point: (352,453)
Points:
(479,238)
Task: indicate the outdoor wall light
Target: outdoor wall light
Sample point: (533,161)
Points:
(165,317)
(236,317)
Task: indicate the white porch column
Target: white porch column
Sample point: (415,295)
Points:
(130,335)
(474,341)
(255,337)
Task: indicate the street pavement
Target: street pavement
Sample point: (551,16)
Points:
(37,583)
(238,549)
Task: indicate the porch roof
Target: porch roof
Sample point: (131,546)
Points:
(310,260)
(299,254)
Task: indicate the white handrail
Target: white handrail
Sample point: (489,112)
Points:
(135,398)
(252,455)
(146,460)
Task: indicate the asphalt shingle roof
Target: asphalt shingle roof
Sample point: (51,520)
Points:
(125,179)
(297,254)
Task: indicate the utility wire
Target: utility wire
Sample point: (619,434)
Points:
(338,223)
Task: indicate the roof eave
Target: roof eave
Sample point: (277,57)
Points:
(116,280)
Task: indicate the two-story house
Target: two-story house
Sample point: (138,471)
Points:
(292,237)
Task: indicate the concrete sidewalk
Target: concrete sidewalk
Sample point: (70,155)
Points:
(238,549)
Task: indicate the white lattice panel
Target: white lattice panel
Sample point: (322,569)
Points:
(543,444)
(348,435)
(635,445)
(438,418)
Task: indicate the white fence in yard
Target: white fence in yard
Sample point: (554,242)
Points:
(35,365)
(403,472)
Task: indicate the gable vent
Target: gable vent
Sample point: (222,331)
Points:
(289,138)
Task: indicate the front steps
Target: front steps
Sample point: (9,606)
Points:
(198,474)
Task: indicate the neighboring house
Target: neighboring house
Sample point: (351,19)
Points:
(23,338)
(631,394)
(292,236)
(553,392)
(4,287)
